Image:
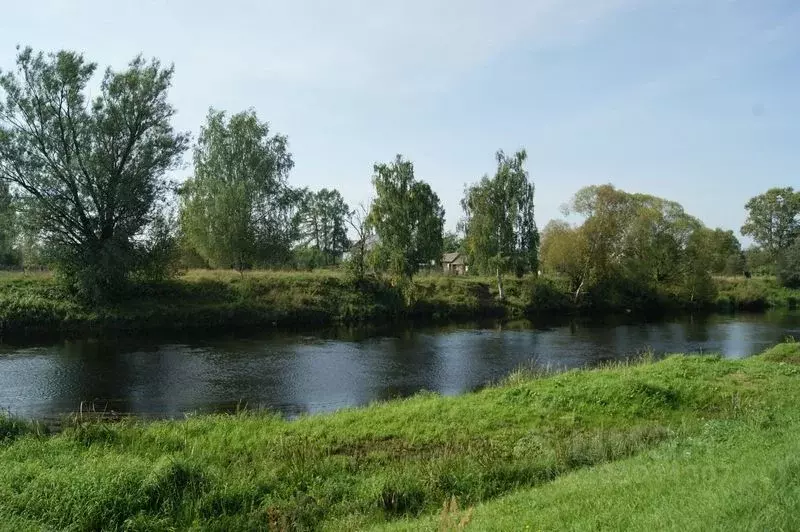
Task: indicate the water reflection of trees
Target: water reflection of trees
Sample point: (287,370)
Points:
(308,373)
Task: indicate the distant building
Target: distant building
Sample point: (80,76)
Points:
(370,242)
(455,263)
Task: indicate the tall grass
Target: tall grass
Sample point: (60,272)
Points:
(758,293)
(386,462)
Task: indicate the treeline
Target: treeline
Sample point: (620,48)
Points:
(634,246)
(85,190)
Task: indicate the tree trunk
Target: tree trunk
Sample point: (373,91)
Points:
(578,291)
(500,290)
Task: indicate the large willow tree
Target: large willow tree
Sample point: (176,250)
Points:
(90,174)
(237,209)
(633,242)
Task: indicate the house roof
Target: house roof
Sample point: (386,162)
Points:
(371,241)
(453,258)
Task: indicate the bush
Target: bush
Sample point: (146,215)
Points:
(788,267)
(546,296)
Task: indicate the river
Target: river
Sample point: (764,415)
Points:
(305,373)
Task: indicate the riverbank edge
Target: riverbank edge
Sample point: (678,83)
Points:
(363,466)
(735,473)
(219,301)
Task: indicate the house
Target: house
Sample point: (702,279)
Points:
(455,263)
(370,242)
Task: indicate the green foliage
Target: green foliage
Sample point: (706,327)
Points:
(788,267)
(356,264)
(773,219)
(237,210)
(33,304)
(452,242)
(735,264)
(635,251)
(725,253)
(323,224)
(310,258)
(407,217)
(90,175)
(393,462)
(159,253)
(548,296)
(564,252)
(9,228)
(696,284)
(758,261)
(756,294)
(499,226)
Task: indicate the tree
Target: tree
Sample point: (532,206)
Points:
(90,177)
(636,236)
(358,220)
(735,264)
(323,223)
(237,209)
(9,230)
(451,242)
(629,246)
(725,252)
(408,218)
(788,268)
(773,219)
(500,230)
(564,251)
(758,261)
(696,282)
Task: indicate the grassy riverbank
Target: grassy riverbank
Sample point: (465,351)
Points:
(581,449)
(208,300)
(758,293)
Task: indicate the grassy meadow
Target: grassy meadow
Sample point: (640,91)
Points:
(680,443)
(35,304)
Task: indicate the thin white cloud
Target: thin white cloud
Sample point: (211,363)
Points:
(349,44)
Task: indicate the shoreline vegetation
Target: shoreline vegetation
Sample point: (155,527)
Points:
(88,190)
(584,449)
(35,304)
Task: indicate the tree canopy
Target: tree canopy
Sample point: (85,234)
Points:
(90,175)
(9,227)
(788,267)
(323,223)
(237,209)
(637,239)
(773,219)
(408,218)
(500,230)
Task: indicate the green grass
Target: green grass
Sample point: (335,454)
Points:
(758,293)
(733,475)
(583,449)
(225,300)
(207,300)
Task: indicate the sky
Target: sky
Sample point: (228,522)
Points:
(693,101)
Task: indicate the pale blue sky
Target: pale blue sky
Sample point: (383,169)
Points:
(694,100)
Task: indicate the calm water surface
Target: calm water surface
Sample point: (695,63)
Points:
(296,374)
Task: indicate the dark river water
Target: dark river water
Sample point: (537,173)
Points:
(300,373)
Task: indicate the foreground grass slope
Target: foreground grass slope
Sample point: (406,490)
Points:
(35,304)
(401,460)
(733,475)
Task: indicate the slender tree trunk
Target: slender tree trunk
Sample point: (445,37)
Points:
(500,290)
(578,291)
